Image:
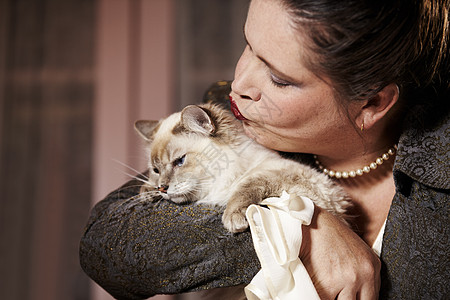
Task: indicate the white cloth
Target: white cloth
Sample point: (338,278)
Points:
(277,237)
(376,247)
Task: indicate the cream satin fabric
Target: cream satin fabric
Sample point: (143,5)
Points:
(277,237)
(376,247)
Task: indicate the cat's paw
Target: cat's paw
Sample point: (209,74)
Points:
(234,220)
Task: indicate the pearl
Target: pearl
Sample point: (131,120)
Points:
(359,172)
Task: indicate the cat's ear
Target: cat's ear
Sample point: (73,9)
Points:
(145,128)
(196,119)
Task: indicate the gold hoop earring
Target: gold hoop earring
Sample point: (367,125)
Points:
(362,126)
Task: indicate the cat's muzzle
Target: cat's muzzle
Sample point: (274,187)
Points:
(163,188)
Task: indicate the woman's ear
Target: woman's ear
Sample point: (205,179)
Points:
(378,106)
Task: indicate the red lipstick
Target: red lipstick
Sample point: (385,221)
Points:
(236,111)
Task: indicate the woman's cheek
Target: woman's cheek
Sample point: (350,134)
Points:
(264,111)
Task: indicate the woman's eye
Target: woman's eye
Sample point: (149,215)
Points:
(179,161)
(156,170)
(279,82)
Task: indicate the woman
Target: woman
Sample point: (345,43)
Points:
(344,81)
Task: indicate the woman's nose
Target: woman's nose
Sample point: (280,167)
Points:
(245,77)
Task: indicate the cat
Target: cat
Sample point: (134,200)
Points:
(202,155)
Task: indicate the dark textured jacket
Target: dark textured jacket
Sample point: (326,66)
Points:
(135,249)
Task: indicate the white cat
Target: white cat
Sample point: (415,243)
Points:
(202,155)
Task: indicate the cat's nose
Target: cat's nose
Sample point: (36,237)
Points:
(163,188)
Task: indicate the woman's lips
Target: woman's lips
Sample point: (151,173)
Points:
(235,110)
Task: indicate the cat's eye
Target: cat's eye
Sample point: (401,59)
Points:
(156,170)
(179,161)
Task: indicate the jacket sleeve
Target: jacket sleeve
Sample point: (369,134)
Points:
(135,248)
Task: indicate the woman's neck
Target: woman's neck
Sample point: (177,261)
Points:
(360,148)
(356,161)
(371,196)
(372,192)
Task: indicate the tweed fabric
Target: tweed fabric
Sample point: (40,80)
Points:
(415,252)
(135,249)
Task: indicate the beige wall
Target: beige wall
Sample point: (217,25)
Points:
(134,80)
(46,97)
(135,61)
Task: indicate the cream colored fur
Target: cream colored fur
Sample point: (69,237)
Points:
(202,155)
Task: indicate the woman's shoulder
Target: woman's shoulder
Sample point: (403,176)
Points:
(415,249)
(424,145)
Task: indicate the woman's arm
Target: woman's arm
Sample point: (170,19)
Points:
(134,248)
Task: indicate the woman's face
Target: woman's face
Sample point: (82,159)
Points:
(285,105)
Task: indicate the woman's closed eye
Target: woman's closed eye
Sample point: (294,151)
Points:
(278,82)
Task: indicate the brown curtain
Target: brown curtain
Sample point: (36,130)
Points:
(46,100)
(209,42)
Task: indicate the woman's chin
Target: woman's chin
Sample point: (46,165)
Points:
(269,139)
(256,133)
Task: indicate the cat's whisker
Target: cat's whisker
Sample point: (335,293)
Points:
(192,191)
(129,187)
(137,199)
(136,177)
(139,174)
(126,166)
(202,183)
(151,194)
(120,204)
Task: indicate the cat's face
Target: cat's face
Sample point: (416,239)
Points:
(178,156)
(175,170)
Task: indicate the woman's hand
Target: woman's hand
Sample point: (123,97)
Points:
(340,264)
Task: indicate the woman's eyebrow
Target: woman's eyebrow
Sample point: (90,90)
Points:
(274,70)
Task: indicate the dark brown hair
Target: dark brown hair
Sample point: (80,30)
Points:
(364,45)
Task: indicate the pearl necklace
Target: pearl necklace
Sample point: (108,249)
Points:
(359,172)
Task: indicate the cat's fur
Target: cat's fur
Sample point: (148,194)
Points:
(202,155)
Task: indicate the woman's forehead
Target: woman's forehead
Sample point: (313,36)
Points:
(270,32)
